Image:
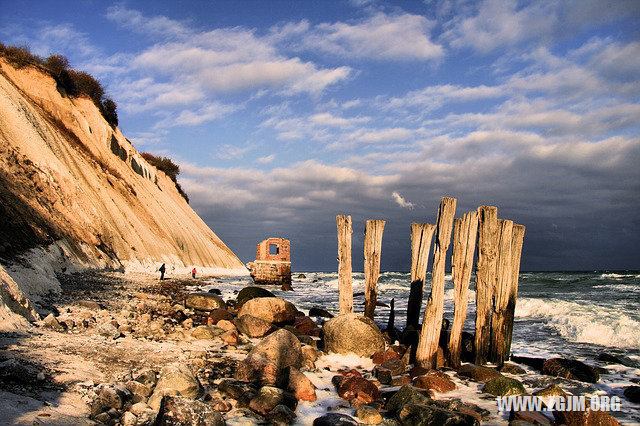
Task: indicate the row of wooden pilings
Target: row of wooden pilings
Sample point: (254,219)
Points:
(498,245)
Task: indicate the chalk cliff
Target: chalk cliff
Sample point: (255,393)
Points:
(75,194)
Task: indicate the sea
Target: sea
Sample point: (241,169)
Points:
(578,315)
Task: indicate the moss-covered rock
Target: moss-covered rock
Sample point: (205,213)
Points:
(503,386)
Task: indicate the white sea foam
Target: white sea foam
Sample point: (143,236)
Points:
(584,322)
(617,276)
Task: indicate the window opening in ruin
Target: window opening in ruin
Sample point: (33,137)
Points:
(274,249)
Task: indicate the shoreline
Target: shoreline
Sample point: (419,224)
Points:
(78,362)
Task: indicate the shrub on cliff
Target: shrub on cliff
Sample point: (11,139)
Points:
(170,168)
(70,82)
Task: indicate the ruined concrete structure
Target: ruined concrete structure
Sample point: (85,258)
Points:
(273,262)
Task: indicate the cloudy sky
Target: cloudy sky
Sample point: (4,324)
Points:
(283,114)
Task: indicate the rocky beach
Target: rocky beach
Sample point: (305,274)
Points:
(130,349)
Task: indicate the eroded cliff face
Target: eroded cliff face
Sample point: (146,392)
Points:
(75,194)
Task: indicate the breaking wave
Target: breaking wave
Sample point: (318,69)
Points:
(584,322)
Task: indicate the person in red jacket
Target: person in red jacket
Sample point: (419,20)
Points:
(193,272)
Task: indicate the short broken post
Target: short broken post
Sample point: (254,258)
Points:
(345,287)
(432,323)
(372,251)
(516,251)
(421,235)
(501,292)
(464,245)
(485,278)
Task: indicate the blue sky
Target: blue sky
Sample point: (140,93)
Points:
(283,114)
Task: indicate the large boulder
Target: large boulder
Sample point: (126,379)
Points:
(269,397)
(503,386)
(352,333)
(253,326)
(270,309)
(252,292)
(174,379)
(570,369)
(178,410)
(435,380)
(407,394)
(204,301)
(335,419)
(416,414)
(282,348)
(478,373)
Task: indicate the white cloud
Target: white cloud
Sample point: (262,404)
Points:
(153,26)
(381,37)
(267,159)
(231,152)
(401,201)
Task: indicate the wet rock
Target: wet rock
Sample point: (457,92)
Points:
(220,405)
(615,359)
(381,356)
(271,309)
(301,276)
(512,369)
(286,287)
(368,415)
(570,369)
(335,419)
(478,373)
(435,380)
(215,291)
(178,410)
(252,292)
(383,375)
(51,322)
(217,315)
(204,301)
(253,326)
(300,385)
(352,333)
(358,388)
(584,418)
(235,389)
(418,371)
(109,330)
(551,390)
(632,393)
(400,380)
(281,415)
(535,363)
(407,394)
(532,417)
(268,397)
(395,365)
(307,326)
(503,386)
(320,312)
(416,414)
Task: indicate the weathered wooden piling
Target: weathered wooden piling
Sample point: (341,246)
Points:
(464,245)
(516,252)
(372,251)
(432,323)
(485,278)
(501,293)
(345,285)
(421,235)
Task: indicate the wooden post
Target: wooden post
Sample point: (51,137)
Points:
(501,292)
(345,287)
(464,245)
(485,278)
(372,251)
(516,251)
(421,235)
(432,323)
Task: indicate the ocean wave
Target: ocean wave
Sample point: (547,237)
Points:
(584,322)
(611,275)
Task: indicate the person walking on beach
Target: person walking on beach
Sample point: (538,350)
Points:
(162,269)
(193,272)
